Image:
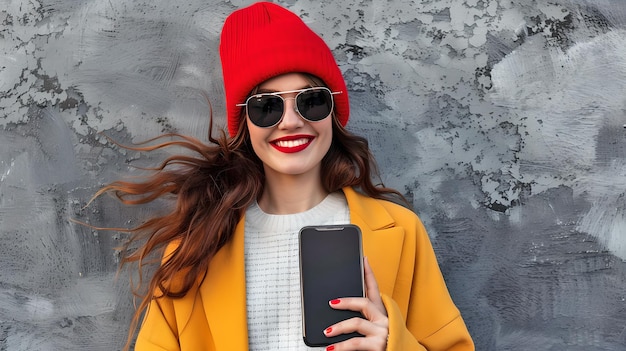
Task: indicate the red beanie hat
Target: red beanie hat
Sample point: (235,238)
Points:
(265,40)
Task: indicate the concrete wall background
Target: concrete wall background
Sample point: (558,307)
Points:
(502,120)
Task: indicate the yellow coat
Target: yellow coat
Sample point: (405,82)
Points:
(422,316)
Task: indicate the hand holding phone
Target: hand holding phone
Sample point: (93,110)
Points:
(331,266)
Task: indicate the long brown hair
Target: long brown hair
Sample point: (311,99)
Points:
(210,193)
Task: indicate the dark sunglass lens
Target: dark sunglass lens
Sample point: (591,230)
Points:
(315,105)
(265,110)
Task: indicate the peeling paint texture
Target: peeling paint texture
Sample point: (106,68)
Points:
(502,121)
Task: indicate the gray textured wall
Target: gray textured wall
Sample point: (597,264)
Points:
(503,120)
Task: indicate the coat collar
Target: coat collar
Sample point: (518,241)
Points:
(366,212)
(382,239)
(223,293)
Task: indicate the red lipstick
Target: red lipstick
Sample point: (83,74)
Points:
(292,143)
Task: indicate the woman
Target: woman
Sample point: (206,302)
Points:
(228,278)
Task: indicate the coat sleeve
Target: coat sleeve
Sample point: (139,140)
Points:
(422,315)
(453,336)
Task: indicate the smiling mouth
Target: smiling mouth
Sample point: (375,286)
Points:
(292,145)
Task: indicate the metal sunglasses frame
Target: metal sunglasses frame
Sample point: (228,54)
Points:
(298,91)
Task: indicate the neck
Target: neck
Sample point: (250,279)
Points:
(288,194)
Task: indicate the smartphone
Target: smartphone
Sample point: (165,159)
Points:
(331,266)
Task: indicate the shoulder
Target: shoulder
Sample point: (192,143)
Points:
(398,211)
(176,281)
(405,218)
(368,206)
(375,214)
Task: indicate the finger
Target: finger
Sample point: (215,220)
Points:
(360,344)
(357,325)
(374,336)
(361,304)
(371,287)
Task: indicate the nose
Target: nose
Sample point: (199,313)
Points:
(291,118)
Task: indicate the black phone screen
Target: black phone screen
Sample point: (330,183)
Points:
(331,266)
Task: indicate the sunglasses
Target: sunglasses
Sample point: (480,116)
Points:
(267,109)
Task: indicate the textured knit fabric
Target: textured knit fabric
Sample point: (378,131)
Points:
(265,40)
(272,272)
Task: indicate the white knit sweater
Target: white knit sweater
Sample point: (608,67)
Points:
(272,272)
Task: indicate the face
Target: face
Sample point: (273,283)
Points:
(294,146)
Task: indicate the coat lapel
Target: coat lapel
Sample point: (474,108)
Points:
(382,239)
(224,295)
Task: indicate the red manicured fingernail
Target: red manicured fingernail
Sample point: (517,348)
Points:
(328,330)
(335,301)
(330,348)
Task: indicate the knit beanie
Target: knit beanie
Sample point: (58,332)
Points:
(265,40)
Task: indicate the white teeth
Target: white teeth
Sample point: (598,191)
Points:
(292,143)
